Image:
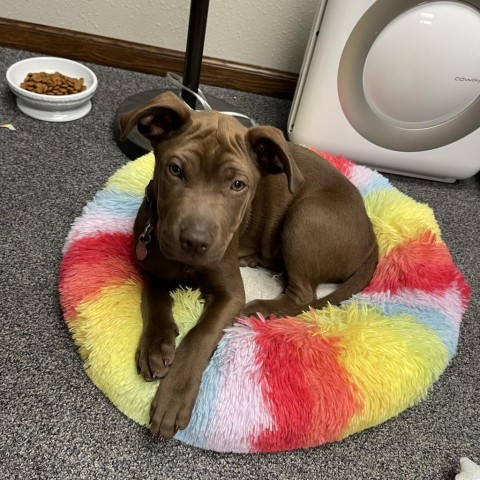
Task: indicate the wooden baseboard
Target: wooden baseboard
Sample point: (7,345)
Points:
(142,58)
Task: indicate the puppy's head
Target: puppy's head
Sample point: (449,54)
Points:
(207,168)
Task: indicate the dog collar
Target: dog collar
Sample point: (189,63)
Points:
(145,237)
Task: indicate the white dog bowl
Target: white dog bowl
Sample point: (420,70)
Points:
(52,108)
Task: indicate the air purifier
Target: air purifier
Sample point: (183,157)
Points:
(395,85)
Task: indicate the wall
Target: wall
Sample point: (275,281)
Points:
(271,34)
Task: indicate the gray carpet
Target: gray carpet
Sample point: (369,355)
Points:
(56,424)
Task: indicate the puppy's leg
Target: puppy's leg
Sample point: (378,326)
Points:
(323,242)
(296,298)
(176,395)
(156,349)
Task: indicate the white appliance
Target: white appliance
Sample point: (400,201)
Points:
(395,85)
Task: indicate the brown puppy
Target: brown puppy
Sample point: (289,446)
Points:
(222,196)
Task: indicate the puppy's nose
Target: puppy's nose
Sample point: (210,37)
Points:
(195,240)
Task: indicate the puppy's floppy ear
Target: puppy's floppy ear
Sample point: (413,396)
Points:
(273,155)
(157,118)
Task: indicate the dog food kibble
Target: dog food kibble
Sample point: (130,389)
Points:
(52,84)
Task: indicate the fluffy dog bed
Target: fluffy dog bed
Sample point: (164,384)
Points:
(277,383)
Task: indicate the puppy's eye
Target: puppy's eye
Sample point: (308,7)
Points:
(238,185)
(175,169)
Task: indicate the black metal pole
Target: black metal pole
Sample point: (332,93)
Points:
(136,144)
(197,27)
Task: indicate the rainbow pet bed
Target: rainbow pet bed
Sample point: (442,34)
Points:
(277,383)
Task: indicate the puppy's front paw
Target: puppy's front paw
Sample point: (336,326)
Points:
(173,404)
(156,352)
